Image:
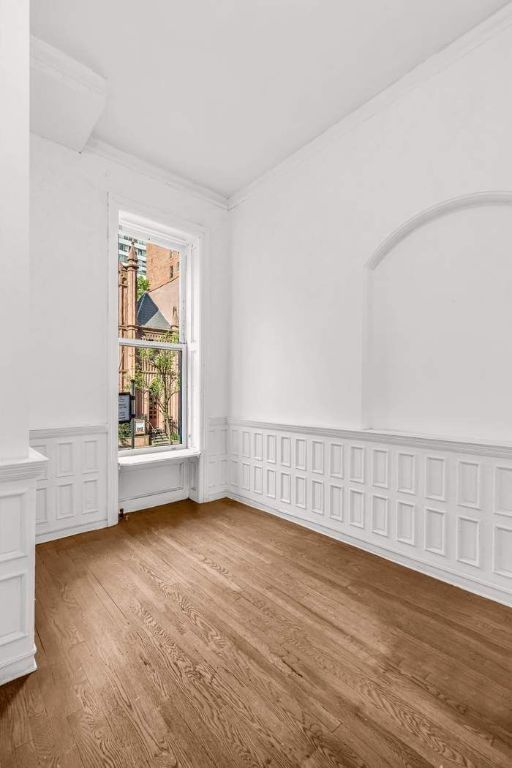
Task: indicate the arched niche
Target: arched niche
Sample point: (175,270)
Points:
(437,346)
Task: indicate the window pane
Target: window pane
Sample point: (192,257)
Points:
(154,377)
(149,290)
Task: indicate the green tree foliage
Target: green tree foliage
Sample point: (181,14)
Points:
(158,373)
(142,285)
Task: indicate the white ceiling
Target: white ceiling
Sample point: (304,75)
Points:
(219,91)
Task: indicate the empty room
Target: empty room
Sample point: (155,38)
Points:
(256,384)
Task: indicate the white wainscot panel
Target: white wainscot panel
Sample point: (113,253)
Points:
(406,472)
(468,540)
(301,499)
(469,483)
(270,453)
(336,460)
(357,464)
(317,497)
(443,507)
(234,439)
(71,495)
(285,488)
(257,474)
(258,446)
(271,483)
(435,478)
(246,476)
(435,531)
(503,490)
(336,502)
(246,444)
(13,522)
(301,454)
(356,508)
(286,451)
(503,551)
(406,523)
(380,514)
(12,599)
(380,468)
(317,456)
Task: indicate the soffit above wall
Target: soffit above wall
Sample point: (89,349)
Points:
(66,97)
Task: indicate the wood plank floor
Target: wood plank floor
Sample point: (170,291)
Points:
(217,635)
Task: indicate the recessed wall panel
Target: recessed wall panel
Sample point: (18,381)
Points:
(435,531)
(406,472)
(336,502)
(380,468)
(356,508)
(380,523)
(336,468)
(468,540)
(406,523)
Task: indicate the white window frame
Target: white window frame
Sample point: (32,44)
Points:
(165,239)
(194,239)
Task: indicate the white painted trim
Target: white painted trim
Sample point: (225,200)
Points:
(21,665)
(488,29)
(471,446)
(198,239)
(153,500)
(63,533)
(47,434)
(48,59)
(473,200)
(471,584)
(114,155)
(145,460)
(28,468)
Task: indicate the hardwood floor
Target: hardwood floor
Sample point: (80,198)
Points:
(217,635)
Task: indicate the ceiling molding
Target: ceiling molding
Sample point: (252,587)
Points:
(487,30)
(474,200)
(45,57)
(132,162)
(66,97)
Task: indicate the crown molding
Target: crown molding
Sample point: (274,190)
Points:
(28,468)
(134,163)
(487,30)
(54,62)
(474,200)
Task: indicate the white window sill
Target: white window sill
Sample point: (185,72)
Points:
(139,460)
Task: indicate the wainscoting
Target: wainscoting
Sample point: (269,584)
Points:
(71,496)
(217,458)
(439,506)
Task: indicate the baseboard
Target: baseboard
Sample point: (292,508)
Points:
(475,586)
(152,500)
(222,494)
(45,536)
(18,667)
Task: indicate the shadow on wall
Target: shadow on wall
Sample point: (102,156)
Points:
(438,321)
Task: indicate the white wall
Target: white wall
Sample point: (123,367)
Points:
(439,327)
(69,263)
(14,171)
(69,296)
(301,237)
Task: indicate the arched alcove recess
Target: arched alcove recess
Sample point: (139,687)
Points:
(438,322)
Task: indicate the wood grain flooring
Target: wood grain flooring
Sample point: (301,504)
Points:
(217,635)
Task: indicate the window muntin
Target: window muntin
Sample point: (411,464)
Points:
(152,344)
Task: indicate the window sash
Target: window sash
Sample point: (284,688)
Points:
(183,394)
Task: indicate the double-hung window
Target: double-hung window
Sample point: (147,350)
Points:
(152,340)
